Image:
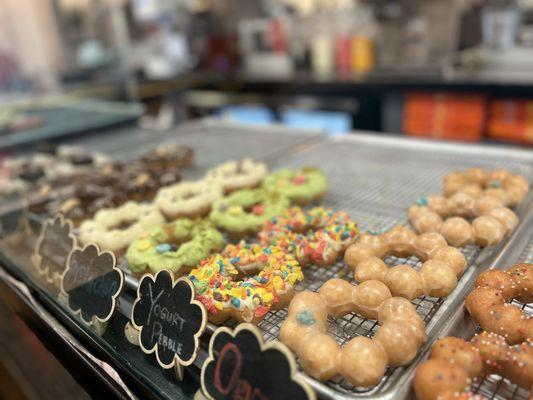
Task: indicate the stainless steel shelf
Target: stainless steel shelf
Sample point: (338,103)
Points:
(374,179)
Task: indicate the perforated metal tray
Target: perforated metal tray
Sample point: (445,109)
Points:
(375,180)
(518,250)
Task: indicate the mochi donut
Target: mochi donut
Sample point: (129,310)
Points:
(317,236)
(492,221)
(225,293)
(454,363)
(244,212)
(177,246)
(442,264)
(362,360)
(302,186)
(188,199)
(510,188)
(115,228)
(488,303)
(236,175)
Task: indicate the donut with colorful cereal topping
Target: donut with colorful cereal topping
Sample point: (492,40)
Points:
(177,246)
(318,236)
(188,199)
(114,229)
(454,363)
(236,175)
(224,295)
(245,211)
(302,186)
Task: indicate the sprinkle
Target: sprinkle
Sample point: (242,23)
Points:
(258,209)
(162,248)
(495,183)
(422,201)
(236,302)
(299,180)
(305,317)
(143,245)
(235,210)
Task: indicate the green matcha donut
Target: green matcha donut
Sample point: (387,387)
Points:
(245,211)
(177,246)
(302,186)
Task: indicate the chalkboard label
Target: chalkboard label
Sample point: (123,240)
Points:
(241,366)
(53,249)
(14,220)
(92,283)
(169,319)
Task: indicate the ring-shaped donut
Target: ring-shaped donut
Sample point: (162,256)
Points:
(188,199)
(225,294)
(115,228)
(302,186)
(447,216)
(454,363)
(488,303)
(318,236)
(245,211)
(362,360)
(441,267)
(176,246)
(236,175)
(511,189)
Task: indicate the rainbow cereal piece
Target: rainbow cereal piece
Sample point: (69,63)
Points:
(224,295)
(318,236)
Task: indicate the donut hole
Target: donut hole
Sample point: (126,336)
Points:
(122,224)
(249,208)
(189,195)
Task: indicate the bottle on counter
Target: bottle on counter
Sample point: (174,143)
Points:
(362,40)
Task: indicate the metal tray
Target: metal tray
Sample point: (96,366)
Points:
(518,250)
(71,117)
(375,179)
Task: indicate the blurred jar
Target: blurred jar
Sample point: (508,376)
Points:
(499,25)
(362,57)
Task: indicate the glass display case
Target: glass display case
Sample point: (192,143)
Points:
(373,179)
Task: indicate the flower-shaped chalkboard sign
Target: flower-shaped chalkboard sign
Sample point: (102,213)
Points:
(169,319)
(241,366)
(92,283)
(53,249)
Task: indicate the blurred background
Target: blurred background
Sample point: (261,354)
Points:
(448,69)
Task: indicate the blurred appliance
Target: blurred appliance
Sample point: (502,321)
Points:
(263,46)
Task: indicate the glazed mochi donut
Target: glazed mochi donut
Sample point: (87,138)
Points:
(188,199)
(488,303)
(362,360)
(318,236)
(176,246)
(115,228)
(454,363)
(245,211)
(492,220)
(437,276)
(302,186)
(248,299)
(500,183)
(235,175)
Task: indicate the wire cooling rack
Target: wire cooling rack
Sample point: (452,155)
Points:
(494,386)
(374,181)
